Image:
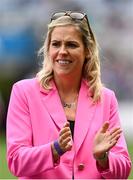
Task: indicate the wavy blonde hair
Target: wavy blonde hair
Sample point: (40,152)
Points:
(91,68)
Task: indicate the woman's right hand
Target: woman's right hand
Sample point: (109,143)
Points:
(65,138)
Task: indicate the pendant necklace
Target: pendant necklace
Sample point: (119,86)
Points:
(71,104)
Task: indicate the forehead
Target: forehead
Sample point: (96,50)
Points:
(66,32)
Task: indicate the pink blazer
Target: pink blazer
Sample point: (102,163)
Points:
(34,119)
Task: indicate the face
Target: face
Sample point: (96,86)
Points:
(66,51)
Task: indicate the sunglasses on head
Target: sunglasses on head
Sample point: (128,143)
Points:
(74,15)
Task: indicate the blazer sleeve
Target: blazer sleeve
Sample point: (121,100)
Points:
(23,158)
(119,160)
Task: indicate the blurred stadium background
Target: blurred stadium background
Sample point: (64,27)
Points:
(23,24)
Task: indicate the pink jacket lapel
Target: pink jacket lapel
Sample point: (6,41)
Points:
(52,102)
(84,116)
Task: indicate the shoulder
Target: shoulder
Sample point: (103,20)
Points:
(24,82)
(108,96)
(27,85)
(107,92)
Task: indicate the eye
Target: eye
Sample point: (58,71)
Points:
(55,44)
(72,45)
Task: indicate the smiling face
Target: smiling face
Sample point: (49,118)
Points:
(66,51)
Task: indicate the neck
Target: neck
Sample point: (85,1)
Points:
(67,86)
(68,91)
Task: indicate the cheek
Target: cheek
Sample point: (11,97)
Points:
(81,58)
(52,54)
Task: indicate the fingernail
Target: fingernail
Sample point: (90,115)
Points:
(67,124)
(70,143)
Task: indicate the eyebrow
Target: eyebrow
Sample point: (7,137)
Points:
(71,41)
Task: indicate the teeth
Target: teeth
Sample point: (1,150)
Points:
(64,62)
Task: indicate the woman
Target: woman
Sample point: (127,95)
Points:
(64,123)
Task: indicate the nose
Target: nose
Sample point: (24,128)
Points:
(63,50)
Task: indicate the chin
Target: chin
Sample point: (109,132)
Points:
(63,73)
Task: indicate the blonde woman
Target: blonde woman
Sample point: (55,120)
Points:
(63,123)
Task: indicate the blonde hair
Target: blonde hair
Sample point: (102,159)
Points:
(91,68)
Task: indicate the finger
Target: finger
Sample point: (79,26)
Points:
(116,137)
(64,130)
(68,147)
(115,130)
(114,141)
(115,133)
(67,124)
(104,127)
(66,144)
(65,141)
(65,135)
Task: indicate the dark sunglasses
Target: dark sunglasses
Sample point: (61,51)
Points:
(73,15)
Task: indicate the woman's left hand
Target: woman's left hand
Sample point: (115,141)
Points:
(105,140)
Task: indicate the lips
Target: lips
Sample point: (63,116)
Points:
(64,61)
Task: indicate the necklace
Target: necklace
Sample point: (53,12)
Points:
(69,105)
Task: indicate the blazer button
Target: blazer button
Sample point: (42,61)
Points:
(81,166)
